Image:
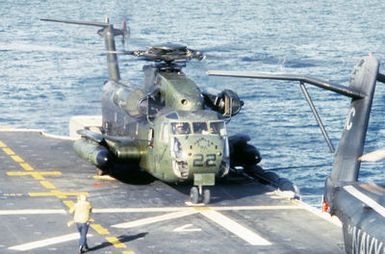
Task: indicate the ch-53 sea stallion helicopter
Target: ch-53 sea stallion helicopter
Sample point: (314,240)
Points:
(359,206)
(169,127)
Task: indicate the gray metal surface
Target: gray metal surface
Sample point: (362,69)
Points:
(41,176)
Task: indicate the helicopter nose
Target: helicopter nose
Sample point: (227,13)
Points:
(205,155)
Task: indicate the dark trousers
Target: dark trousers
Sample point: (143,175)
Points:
(83,229)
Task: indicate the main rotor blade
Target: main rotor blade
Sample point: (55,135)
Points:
(373,156)
(381,78)
(41,48)
(86,23)
(122,52)
(347,91)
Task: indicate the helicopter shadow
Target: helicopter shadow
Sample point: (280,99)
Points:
(230,189)
(130,173)
(233,187)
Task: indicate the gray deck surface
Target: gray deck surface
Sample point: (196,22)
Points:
(41,176)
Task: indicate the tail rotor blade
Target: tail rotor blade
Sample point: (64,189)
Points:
(125,32)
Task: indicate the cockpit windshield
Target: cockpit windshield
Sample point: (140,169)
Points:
(202,128)
(180,128)
(206,128)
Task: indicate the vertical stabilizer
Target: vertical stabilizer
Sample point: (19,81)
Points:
(108,32)
(346,164)
(112,58)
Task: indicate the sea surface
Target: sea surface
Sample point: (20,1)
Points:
(50,72)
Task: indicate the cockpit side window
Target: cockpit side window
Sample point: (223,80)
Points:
(165,132)
(180,128)
(150,137)
(218,128)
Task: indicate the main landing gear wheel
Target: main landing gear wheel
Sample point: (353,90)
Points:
(194,195)
(197,196)
(206,196)
(99,172)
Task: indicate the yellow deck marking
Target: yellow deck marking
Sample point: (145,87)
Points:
(115,241)
(69,203)
(100,229)
(26,166)
(48,185)
(104,177)
(202,208)
(38,175)
(17,158)
(56,193)
(8,151)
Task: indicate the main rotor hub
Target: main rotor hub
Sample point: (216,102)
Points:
(170,53)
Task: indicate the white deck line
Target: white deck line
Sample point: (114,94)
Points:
(46,242)
(141,222)
(41,131)
(235,228)
(32,211)
(15,129)
(141,210)
(150,209)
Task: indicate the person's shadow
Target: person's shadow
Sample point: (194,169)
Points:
(122,238)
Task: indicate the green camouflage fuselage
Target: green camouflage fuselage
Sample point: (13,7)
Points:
(150,117)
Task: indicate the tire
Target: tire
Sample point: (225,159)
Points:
(99,172)
(194,195)
(206,196)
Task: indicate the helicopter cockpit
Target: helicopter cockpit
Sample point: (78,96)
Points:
(197,146)
(201,127)
(180,128)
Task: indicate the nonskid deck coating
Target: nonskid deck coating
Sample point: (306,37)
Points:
(41,177)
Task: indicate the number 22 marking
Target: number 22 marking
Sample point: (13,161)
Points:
(199,160)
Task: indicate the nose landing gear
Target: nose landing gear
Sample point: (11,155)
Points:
(198,194)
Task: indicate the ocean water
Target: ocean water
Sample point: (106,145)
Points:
(50,72)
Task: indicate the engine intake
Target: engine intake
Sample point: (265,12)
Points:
(227,102)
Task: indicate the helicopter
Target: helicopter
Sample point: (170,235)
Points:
(169,128)
(360,206)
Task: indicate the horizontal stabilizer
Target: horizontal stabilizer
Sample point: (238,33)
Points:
(347,91)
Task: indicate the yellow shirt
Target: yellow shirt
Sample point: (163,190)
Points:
(82,211)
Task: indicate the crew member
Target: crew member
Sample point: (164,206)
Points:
(82,217)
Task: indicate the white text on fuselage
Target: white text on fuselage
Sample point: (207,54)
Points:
(362,242)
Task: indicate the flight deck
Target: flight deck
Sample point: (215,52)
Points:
(41,176)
